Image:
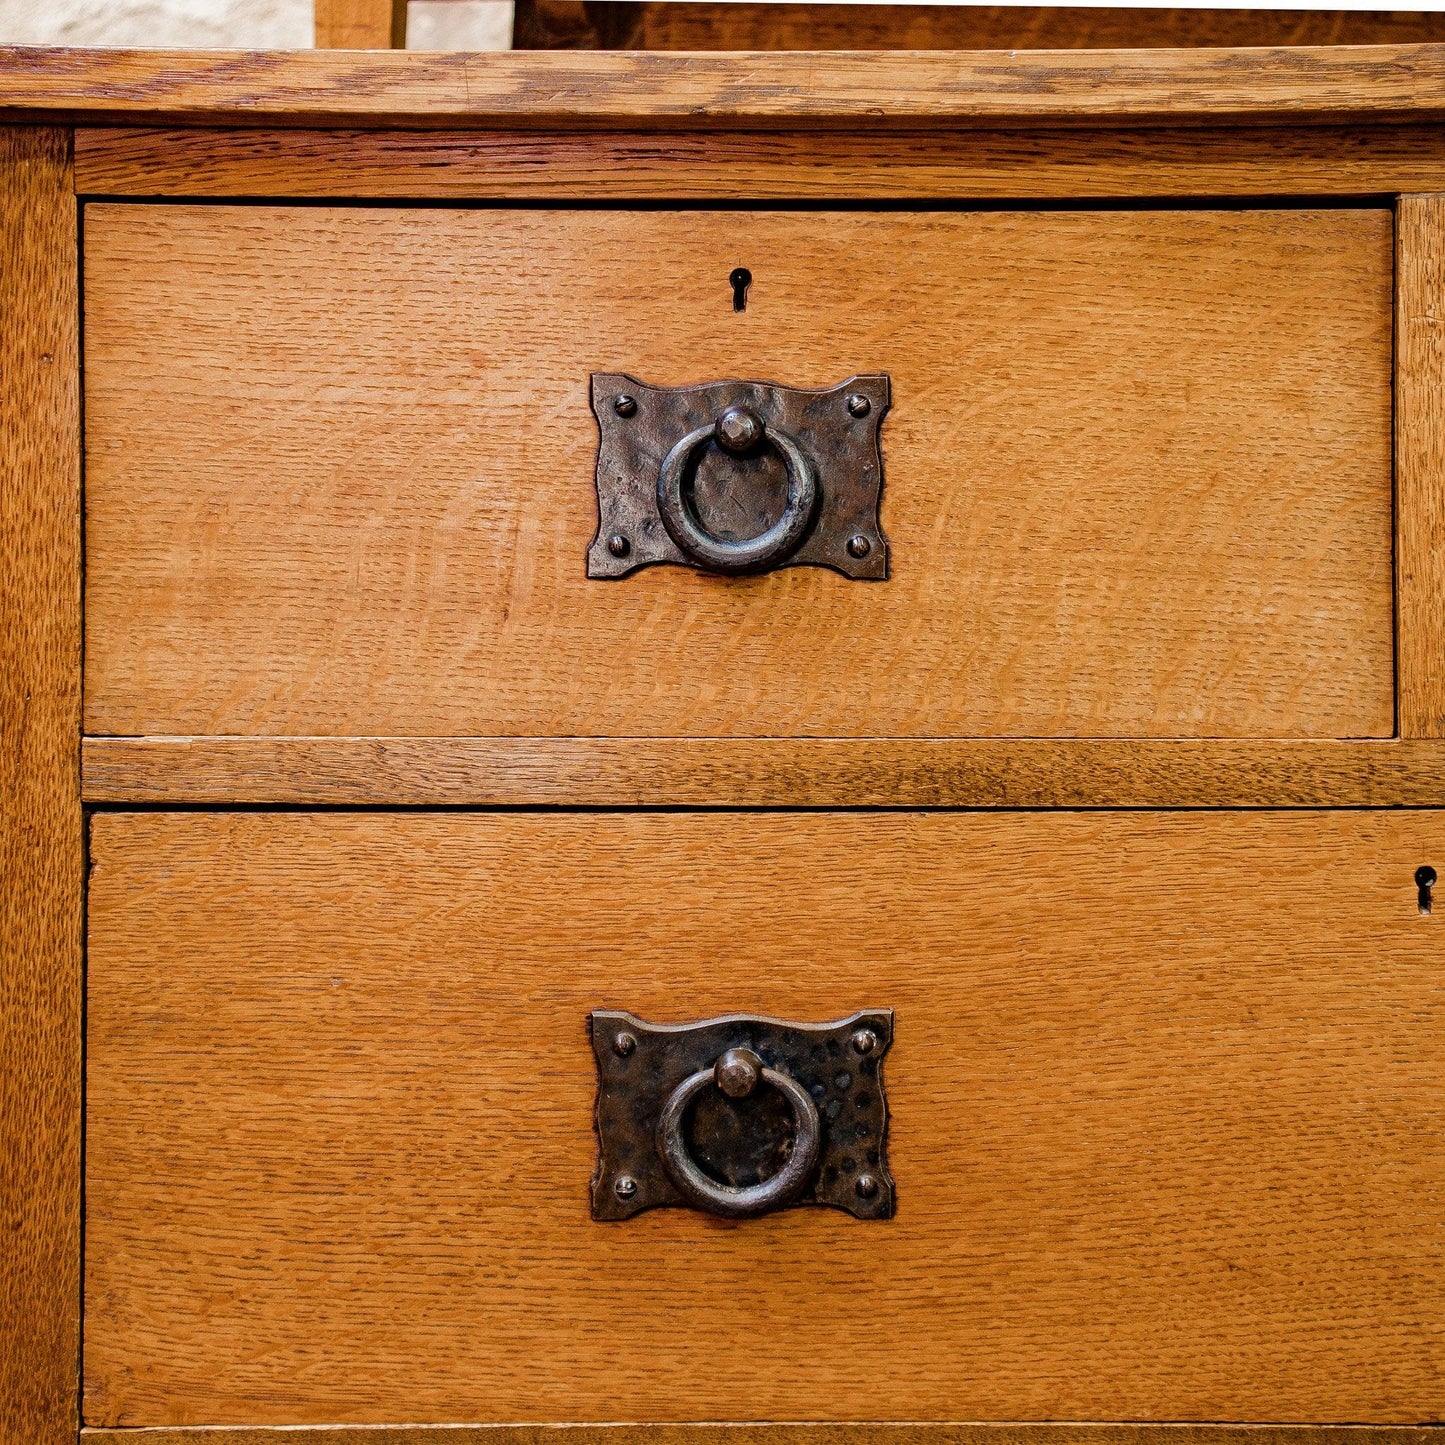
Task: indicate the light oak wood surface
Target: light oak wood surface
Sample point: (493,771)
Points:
(1166,1101)
(764,772)
(748,165)
(41,846)
(775,1435)
(786,90)
(341,461)
(360,24)
(1420,464)
(1205,1132)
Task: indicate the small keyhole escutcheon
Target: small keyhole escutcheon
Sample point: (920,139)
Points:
(740,280)
(1425,882)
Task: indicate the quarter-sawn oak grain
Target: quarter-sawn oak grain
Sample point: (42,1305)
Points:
(340,472)
(42,854)
(764,772)
(802,90)
(360,24)
(1165,1118)
(853,130)
(746,165)
(874,1434)
(1420,465)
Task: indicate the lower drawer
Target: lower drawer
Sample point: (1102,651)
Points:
(1167,1100)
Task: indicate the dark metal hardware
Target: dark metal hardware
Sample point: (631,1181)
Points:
(741,1115)
(737,1073)
(738,430)
(739,476)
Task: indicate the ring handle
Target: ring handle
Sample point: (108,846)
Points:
(737,430)
(737,1073)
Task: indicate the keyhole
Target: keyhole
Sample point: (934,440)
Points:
(1425,882)
(740,280)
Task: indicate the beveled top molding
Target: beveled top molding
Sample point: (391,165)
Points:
(774,91)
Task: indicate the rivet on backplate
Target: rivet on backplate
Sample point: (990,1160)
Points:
(740,429)
(618,545)
(859,546)
(623,1045)
(864,1041)
(867,1186)
(858,405)
(625,1187)
(625,405)
(737,1072)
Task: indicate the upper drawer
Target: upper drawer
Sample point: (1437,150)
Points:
(340,471)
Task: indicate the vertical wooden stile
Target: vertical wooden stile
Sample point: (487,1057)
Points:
(41,839)
(360,24)
(1420,465)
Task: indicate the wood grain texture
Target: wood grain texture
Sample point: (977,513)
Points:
(1165,1100)
(684,25)
(619,166)
(763,772)
(774,1435)
(341,472)
(797,90)
(1420,465)
(360,24)
(41,846)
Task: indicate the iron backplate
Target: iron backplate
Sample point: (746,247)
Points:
(837,428)
(741,1141)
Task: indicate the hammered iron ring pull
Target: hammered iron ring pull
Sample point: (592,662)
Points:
(738,430)
(737,1073)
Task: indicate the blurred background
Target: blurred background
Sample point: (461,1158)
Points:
(238,24)
(703,24)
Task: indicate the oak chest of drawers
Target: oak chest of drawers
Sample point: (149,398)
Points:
(583,558)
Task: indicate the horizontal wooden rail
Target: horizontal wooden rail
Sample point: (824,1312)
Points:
(900,1434)
(801,90)
(620,166)
(762,772)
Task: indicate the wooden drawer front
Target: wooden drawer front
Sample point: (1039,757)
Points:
(1167,1098)
(340,472)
